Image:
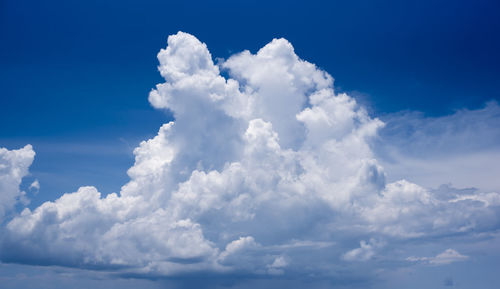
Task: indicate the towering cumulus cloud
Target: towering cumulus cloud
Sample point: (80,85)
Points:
(267,171)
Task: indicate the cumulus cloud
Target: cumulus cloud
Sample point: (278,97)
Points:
(365,251)
(35,186)
(14,166)
(256,168)
(276,268)
(447,257)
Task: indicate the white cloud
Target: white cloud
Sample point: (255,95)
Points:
(35,186)
(278,265)
(251,164)
(14,166)
(447,257)
(365,252)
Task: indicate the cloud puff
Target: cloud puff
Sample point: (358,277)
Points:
(365,251)
(447,257)
(14,166)
(35,186)
(256,169)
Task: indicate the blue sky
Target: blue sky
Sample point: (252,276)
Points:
(75,79)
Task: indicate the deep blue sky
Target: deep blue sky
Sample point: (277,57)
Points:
(75,76)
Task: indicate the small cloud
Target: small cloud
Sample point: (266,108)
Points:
(35,186)
(447,257)
(365,252)
(276,268)
(238,246)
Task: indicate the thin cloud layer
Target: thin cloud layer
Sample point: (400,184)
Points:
(268,171)
(460,148)
(447,257)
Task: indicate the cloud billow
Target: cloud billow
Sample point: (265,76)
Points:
(14,166)
(257,169)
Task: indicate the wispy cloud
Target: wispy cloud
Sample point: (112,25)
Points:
(460,148)
(447,257)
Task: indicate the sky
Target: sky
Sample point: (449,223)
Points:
(243,144)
